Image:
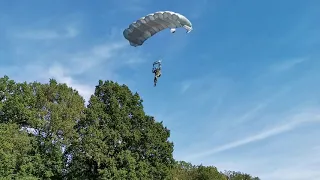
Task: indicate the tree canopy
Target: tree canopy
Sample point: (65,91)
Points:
(47,132)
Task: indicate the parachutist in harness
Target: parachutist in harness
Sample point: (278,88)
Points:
(157,71)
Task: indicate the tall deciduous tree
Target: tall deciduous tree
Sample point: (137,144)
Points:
(49,112)
(118,140)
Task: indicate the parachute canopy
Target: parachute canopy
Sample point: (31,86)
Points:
(139,31)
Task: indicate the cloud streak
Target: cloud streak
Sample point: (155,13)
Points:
(286,65)
(303,166)
(77,68)
(252,113)
(59,73)
(47,34)
(199,8)
(293,123)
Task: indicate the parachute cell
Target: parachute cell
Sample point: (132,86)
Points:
(139,31)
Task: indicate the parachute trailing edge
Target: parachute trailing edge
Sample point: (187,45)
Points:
(141,30)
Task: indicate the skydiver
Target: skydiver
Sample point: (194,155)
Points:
(156,71)
(157,74)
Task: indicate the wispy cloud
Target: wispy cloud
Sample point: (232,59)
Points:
(79,68)
(291,123)
(300,170)
(205,83)
(47,34)
(59,73)
(286,65)
(185,86)
(131,6)
(199,8)
(253,112)
(302,164)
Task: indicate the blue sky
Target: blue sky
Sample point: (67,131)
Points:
(240,92)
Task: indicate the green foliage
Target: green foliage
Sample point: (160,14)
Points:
(46,132)
(51,111)
(119,140)
(187,171)
(14,149)
(232,175)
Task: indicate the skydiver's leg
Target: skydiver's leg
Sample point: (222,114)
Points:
(155,80)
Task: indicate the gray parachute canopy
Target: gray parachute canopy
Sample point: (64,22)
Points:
(142,29)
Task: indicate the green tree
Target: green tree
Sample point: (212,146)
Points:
(233,175)
(187,171)
(15,148)
(118,140)
(209,173)
(183,170)
(50,112)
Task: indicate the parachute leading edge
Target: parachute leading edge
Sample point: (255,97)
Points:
(141,30)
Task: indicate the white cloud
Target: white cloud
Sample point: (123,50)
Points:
(305,165)
(299,171)
(112,56)
(80,69)
(107,54)
(253,112)
(185,86)
(199,8)
(131,6)
(206,84)
(42,73)
(291,123)
(286,65)
(47,34)
(60,74)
